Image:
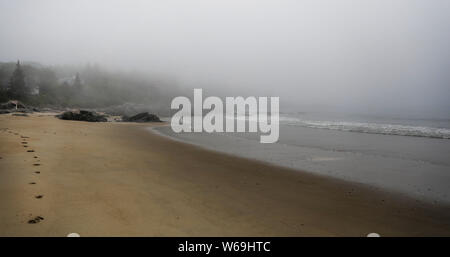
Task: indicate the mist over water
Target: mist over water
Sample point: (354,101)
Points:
(345,104)
(371,57)
(363,85)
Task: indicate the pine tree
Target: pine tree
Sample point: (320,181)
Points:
(17,87)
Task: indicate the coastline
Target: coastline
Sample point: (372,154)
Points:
(117,179)
(359,158)
(409,175)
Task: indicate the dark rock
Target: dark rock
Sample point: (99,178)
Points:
(82,115)
(142,117)
(127,109)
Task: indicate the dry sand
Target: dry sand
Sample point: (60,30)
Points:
(118,179)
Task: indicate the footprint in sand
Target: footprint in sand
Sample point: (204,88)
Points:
(38,196)
(35,220)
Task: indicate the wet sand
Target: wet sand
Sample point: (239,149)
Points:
(118,179)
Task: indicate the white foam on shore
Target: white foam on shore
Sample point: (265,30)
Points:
(371,128)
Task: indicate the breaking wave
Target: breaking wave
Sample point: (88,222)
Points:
(372,128)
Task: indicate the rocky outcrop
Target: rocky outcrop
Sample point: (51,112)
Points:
(142,117)
(129,109)
(12,105)
(82,116)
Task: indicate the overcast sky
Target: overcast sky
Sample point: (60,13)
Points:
(368,56)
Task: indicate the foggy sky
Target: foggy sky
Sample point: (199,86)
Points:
(365,56)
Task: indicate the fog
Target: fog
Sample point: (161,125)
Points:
(378,56)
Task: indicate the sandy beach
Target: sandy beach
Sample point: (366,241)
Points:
(119,179)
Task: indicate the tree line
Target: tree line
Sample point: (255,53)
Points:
(88,87)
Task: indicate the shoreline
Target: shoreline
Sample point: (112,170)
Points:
(362,159)
(117,179)
(375,188)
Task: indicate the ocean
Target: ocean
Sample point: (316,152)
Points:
(404,155)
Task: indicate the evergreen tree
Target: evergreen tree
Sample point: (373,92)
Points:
(17,87)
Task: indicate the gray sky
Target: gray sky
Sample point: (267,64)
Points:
(366,56)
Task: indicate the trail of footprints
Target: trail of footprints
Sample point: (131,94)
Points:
(24,142)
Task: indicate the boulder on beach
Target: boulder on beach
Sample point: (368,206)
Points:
(142,117)
(82,115)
